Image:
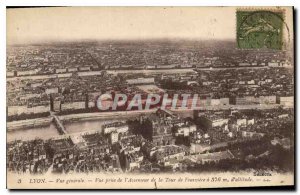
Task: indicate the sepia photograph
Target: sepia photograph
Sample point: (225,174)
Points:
(150,97)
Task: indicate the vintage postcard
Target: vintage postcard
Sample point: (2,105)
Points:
(150,97)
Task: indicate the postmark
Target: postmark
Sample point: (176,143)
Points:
(260,29)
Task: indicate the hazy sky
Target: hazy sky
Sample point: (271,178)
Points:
(77,23)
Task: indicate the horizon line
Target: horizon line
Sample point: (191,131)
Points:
(166,39)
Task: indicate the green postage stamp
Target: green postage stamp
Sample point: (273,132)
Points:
(260,29)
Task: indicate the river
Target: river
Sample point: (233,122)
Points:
(44,132)
(81,126)
(49,131)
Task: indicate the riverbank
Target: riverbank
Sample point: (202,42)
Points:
(40,122)
(104,115)
(29,123)
(15,125)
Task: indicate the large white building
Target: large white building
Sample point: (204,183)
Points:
(119,127)
(73,105)
(186,130)
(287,101)
(140,81)
(51,90)
(17,110)
(209,122)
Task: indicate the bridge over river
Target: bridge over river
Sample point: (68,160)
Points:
(60,127)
